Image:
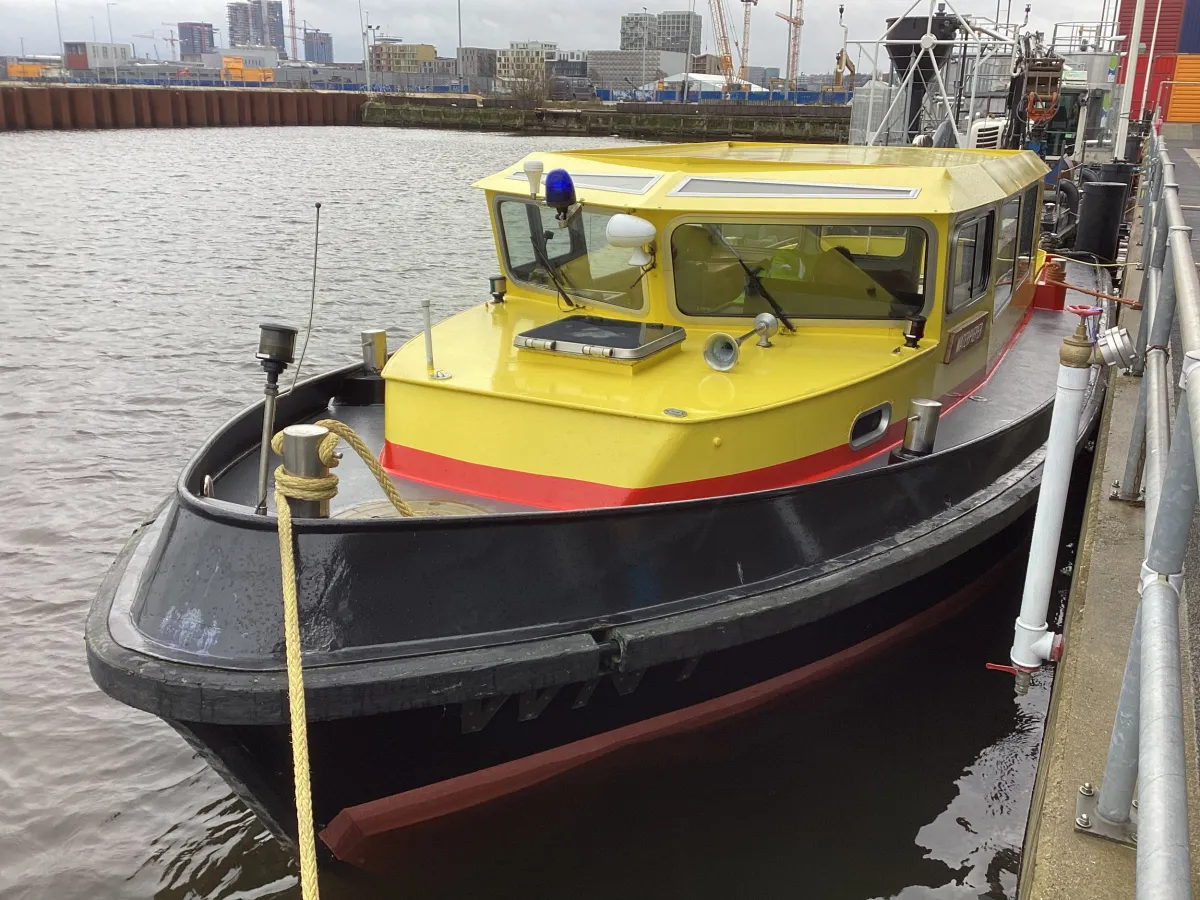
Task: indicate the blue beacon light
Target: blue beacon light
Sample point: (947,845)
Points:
(560,192)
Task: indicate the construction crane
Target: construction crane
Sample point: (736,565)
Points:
(721,31)
(155,45)
(171,40)
(292,25)
(745,48)
(795,20)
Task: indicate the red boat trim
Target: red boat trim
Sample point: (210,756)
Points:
(556,492)
(352,829)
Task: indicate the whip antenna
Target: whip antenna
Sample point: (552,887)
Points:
(312,302)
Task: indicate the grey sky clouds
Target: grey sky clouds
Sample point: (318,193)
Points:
(574,24)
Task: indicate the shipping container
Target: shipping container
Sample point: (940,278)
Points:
(1184,99)
(1170,24)
(26,70)
(1189,30)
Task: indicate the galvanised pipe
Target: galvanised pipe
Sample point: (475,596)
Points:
(1187,293)
(1158,423)
(1163,863)
(1131,481)
(1148,297)
(1165,553)
(1115,802)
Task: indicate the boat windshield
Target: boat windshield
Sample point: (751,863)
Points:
(589,269)
(810,271)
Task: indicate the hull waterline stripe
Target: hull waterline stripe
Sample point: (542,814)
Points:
(559,493)
(352,829)
(555,492)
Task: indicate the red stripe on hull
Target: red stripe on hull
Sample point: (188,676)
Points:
(350,833)
(555,492)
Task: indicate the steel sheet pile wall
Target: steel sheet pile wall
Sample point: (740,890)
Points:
(59,107)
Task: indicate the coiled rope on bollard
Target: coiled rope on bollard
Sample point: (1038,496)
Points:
(297,487)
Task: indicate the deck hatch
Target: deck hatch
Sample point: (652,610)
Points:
(599,338)
(699,186)
(622,184)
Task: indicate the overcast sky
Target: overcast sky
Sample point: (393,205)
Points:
(574,24)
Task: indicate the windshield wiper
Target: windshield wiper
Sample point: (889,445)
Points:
(754,279)
(544,260)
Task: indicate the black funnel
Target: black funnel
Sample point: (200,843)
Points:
(913,28)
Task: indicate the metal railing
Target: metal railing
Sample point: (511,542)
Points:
(1146,750)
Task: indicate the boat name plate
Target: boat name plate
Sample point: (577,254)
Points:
(965,335)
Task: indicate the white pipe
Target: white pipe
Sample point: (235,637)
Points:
(1135,38)
(1150,61)
(425,312)
(1032,640)
(1080,131)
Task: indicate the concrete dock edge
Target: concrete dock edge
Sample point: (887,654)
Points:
(1058,860)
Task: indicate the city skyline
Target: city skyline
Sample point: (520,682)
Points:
(486,23)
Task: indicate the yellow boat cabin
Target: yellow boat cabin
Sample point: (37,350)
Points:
(696,320)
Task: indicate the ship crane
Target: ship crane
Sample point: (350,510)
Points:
(795,20)
(721,29)
(745,48)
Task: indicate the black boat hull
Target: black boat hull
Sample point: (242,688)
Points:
(436,648)
(472,755)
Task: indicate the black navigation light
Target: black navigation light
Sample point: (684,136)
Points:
(498,285)
(915,331)
(276,349)
(276,346)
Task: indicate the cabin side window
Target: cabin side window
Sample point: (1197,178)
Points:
(971,264)
(1030,219)
(1006,252)
(539,251)
(831,271)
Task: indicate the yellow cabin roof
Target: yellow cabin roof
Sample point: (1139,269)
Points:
(744,177)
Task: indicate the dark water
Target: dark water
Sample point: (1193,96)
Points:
(134,268)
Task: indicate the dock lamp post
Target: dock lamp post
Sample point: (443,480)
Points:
(112,43)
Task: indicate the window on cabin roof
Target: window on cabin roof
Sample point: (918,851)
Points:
(589,268)
(830,271)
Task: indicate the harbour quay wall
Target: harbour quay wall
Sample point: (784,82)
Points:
(651,121)
(66,107)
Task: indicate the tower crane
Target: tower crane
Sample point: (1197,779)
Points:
(170,39)
(292,25)
(795,20)
(745,48)
(155,44)
(721,30)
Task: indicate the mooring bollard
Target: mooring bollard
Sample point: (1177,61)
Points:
(301,456)
(374,350)
(1033,642)
(920,430)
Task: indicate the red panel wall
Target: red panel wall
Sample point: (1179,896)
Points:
(1170,22)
